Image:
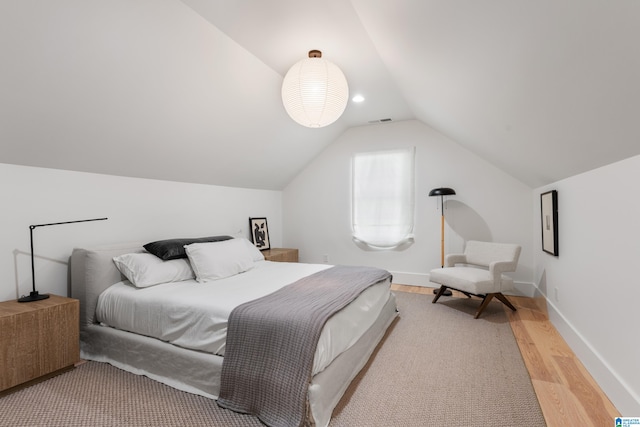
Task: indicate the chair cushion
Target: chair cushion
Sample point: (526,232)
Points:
(469,279)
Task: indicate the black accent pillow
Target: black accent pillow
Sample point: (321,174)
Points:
(174,248)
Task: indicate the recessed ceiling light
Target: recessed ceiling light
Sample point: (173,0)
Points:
(358,98)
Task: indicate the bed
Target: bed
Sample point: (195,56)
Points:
(145,330)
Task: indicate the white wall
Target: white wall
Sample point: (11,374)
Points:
(138,210)
(489,205)
(596,275)
(115,82)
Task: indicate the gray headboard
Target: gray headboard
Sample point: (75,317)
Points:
(93,271)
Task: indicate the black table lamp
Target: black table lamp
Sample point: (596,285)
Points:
(34,295)
(442,192)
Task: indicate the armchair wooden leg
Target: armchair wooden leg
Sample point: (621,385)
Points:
(505,301)
(441,292)
(485,301)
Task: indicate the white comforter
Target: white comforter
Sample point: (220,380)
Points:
(194,315)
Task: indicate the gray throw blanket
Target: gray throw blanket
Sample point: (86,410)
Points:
(271,343)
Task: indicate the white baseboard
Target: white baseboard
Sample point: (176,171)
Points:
(616,389)
(412,279)
(523,289)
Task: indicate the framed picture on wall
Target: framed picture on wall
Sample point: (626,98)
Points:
(259,233)
(549,221)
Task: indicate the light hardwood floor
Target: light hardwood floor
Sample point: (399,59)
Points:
(567,393)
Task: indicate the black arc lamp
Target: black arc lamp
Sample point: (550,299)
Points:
(34,295)
(443,191)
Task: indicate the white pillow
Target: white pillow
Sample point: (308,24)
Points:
(217,260)
(145,269)
(256,255)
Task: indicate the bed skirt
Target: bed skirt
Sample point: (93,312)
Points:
(184,369)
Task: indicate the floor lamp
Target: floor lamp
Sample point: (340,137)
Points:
(442,192)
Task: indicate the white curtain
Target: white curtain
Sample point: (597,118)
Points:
(383,194)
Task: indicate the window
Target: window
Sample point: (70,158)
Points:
(383,194)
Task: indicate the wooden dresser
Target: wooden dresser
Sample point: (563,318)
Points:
(281,255)
(37,340)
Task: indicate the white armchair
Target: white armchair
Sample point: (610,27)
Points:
(478,272)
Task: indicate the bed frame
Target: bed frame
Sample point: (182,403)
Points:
(93,271)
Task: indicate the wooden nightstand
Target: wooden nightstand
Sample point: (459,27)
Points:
(281,254)
(37,340)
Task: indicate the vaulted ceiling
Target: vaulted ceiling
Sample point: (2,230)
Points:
(190,90)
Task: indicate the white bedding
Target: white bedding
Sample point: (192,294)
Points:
(194,315)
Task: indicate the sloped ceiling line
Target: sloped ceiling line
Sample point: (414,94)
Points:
(190,90)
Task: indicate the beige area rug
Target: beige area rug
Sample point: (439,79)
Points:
(437,366)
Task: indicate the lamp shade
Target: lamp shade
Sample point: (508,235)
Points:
(444,191)
(315,91)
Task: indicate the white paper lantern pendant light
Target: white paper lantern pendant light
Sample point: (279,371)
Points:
(315,91)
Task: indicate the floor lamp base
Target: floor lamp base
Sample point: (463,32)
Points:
(446,293)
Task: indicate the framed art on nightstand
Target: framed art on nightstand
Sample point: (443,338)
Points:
(259,233)
(549,221)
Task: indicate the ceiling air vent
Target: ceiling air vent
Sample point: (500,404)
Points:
(380,120)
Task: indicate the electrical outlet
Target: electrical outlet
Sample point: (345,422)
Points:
(325,258)
(555,295)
